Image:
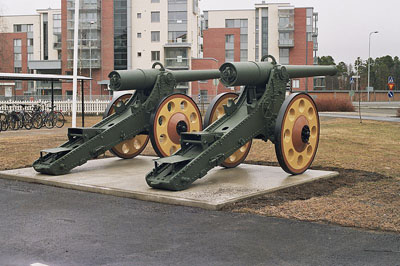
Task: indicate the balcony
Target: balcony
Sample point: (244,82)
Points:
(177,63)
(86,5)
(85,44)
(85,63)
(57,45)
(286,27)
(286,43)
(315,32)
(315,46)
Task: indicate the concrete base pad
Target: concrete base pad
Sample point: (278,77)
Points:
(126,178)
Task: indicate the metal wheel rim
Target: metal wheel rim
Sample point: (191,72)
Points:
(214,112)
(173,110)
(129,148)
(295,157)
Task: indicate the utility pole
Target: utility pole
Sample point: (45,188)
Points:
(369,59)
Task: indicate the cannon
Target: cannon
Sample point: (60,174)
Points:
(261,111)
(152,112)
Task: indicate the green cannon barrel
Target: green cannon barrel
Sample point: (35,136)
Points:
(257,73)
(144,79)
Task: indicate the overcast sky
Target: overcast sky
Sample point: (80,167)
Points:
(344,25)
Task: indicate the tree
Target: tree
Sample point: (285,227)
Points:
(326,60)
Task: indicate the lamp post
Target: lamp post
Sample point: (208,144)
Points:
(369,59)
(90,59)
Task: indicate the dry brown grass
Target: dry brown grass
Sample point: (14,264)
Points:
(365,194)
(334,105)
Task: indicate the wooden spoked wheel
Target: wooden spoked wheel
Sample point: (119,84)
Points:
(175,114)
(214,112)
(130,148)
(297,133)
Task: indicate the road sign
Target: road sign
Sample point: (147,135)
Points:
(390,94)
(390,79)
(351,93)
(391,86)
(351,80)
(370,89)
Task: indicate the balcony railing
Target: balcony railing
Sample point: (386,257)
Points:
(57,45)
(286,43)
(85,63)
(286,27)
(85,44)
(177,62)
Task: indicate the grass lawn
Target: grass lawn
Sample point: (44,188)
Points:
(366,194)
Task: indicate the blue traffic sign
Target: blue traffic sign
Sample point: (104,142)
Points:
(351,80)
(390,94)
(390,79)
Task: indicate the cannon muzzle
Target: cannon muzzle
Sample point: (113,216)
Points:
(144,79)
(257,73)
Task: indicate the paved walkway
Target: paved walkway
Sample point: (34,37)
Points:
(53,226)
(355,115)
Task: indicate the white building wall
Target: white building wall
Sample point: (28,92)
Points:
(53,55)
(193,30)
(144,26)
(273,32)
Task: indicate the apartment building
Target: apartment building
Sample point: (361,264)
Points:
(129,34)
(28,45)
(288,33)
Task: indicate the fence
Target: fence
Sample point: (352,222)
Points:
(94,107)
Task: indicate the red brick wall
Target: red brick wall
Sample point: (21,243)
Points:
(297,54)
(214,47)
(214,43)
(199,64)
(7,55)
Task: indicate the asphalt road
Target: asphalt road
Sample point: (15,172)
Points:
(53,226)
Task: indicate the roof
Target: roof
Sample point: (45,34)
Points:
(43,77)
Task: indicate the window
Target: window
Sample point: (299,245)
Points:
(17,28)
(309,21)
(139,15)
(17,69)
(17,43)
(230,48)
(29,42)
(155,16)
(155,1)
(139,35)
(139,54)
(155,36)
(295,84)
(29,27)
(155,55)
(30,56)
(17,57)
(203,96)
(243,25)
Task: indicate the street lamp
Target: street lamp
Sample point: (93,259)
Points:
(90,59)
(369,58)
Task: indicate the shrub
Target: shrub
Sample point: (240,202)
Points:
(334,105)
